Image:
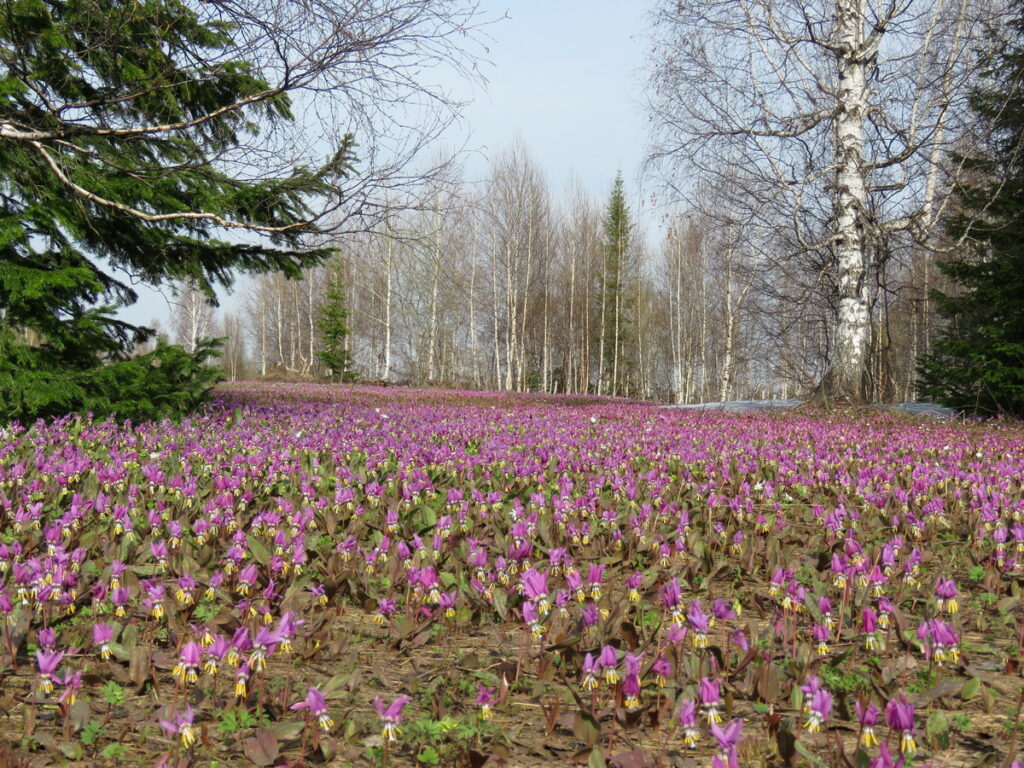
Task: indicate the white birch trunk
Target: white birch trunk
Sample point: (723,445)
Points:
(845,377)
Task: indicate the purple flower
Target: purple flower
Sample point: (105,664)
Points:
(187,668)
(946,592)
(688,722)
(661,669)
(819,709)
(485,698)
(710,697)
(631,680)
(609,661)
(181,724)
(391,714)
(47,638)
(633,585)
(899,713)
(722,610)
(868,718)
(595,574)
(317,706)
(700,623)
(671,595)
(727,738)
(535,587)
(589,681)
(47,662)
(102,634)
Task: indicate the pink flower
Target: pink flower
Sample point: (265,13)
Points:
(317,706)
(391,714)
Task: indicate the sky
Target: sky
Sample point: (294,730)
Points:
(562,76)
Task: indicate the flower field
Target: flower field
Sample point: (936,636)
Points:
(309,575)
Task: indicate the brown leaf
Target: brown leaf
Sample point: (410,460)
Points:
(786,744)
(635,758)
(263,748)
(138,665)
(586,728)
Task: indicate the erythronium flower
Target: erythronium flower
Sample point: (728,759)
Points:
(263,646)
(722,610)
(215,654)
(595,574)
(609,660)
(181,724)
(535,587)
(671,595)
(868,718)
(700,623)
(287,628)
(385,608)
(391,714)
(532,617)
(946,592)
(187,668)
(485,698)
(819,710)
(899,713)
(575,583)
(869,625)
(317,706)
(661,668)
(688,722)
(102,634)
(241,680)
(740,639)
(710,698)
(47,662)
(72,684)
(633,585)
(825,608)
(727,738)
(631,681)
(589,681)
(820,634)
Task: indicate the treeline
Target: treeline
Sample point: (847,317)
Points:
(509,284)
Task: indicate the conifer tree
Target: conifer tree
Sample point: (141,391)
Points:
(613,295)
(978,362)
(333,326)
(137,137)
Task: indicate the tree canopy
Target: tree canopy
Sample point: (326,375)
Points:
(978,362)
(133,142)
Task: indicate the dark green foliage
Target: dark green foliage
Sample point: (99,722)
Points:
(613,284)
(106,106)
(333,326)
(978,363)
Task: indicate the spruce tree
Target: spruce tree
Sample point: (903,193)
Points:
(333,326)
(613,295)
(119,121)
(978,362)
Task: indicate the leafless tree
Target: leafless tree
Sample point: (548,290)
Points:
(834,119)
(348,68)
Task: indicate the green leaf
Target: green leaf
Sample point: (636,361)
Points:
(970,689)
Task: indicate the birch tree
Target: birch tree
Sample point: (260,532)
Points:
(832,117)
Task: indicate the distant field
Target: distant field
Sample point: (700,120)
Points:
(548,580)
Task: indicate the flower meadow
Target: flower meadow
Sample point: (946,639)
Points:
(351,576)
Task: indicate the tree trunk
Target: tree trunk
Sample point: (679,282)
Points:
(844,379)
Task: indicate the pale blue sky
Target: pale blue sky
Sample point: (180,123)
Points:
(564,77)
